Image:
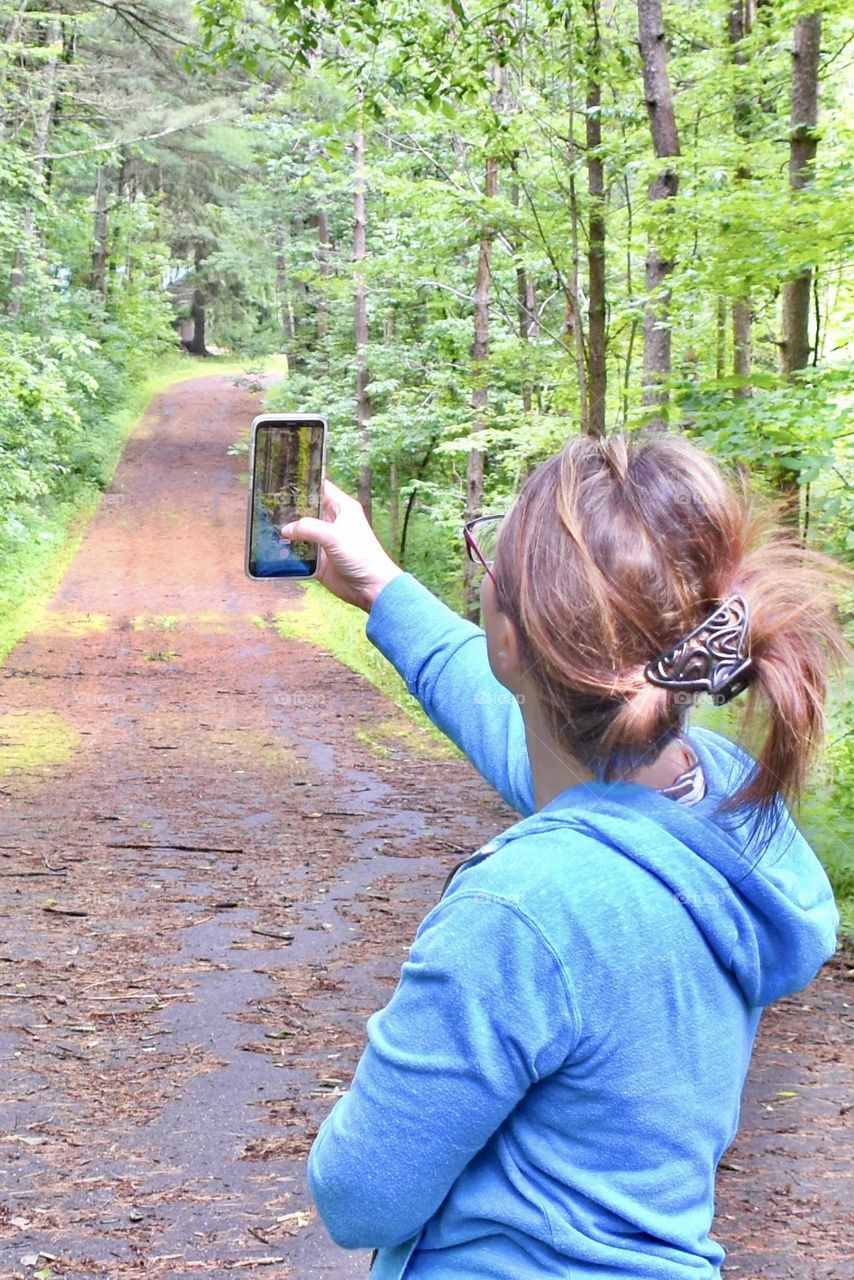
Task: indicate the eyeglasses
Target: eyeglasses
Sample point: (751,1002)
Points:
(481,535)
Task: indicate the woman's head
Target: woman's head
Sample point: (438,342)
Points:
(615,550)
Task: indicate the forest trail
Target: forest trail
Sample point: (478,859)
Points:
(214,852)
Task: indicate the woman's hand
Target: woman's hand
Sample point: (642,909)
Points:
(351,562)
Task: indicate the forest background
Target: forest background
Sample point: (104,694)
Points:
(472,227)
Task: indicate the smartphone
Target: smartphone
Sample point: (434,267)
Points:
(288,462)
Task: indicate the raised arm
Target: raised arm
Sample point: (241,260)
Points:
(441,657)
(443,660)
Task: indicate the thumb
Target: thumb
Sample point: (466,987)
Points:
(308,529)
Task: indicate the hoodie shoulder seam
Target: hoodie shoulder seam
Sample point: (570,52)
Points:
(540,936)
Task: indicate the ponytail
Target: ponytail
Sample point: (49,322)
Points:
(796,646)
(615,551)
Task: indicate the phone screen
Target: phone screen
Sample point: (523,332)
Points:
(287,473)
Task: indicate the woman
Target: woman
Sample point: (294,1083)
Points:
(558,1072)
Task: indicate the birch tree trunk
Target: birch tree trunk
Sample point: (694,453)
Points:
(795,347)
(363,404)
(665,141)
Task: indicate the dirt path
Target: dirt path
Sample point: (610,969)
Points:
(208,880)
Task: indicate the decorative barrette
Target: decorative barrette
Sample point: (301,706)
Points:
(714,658)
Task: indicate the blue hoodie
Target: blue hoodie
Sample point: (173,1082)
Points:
(558,1073)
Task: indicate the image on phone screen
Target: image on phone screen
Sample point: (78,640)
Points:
(287,475)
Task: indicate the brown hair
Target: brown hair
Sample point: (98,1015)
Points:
(615,550)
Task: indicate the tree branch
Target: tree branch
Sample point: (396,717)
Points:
(126,142)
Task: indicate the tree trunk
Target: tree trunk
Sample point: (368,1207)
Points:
(573,323)
(527,304)
(742,344)
(69,51)
(596,334)
(630,293)
(480,354)
(121,252)
(720,336)
(14,28)
(742,312)
(480,394)
(283,291)
(665,141)
(323,248)
(363,404)
(802,150)
(12,33)
(100,246)
(393,503)
(795,348)
(525,299)
(394,473)
(44,106)
(197,346)
(531,309)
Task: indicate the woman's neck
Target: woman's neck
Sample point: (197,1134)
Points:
(555,771)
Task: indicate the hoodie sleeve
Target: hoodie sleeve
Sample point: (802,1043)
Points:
(482,1011)
(443,661)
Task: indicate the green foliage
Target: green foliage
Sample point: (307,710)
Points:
(85,313)
(343,630)
(828,816)
(47,530)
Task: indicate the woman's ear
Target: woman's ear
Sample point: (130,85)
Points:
(502,641)
(507,647)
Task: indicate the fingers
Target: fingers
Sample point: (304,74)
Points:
(330,500)
(334,499)
(308,529)
(334,491)
(311,530)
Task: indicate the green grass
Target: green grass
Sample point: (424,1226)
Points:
(327,623)
(30,577)
(243,368)
(839,865)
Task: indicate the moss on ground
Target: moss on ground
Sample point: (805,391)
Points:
(33,740)
(391,736)
(66,622)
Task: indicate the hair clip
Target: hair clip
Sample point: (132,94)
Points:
(714,658)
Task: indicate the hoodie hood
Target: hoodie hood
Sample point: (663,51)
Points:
(767,912)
